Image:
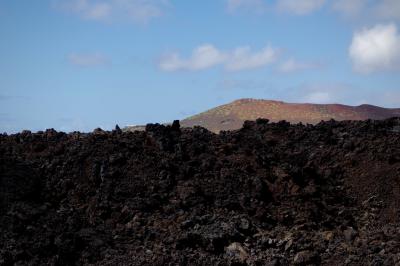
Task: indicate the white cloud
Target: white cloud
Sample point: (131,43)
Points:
(207,56)
(87,60)
(140,11)
(376,49)
(244,58)
(257,6)
(300,7)
(204,56)
(292,65)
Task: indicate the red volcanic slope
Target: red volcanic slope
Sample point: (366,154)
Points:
(231,116)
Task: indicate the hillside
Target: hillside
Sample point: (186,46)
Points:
(231,116)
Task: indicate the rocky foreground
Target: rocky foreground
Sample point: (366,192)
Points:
(267,194)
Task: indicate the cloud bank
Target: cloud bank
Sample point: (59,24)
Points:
(207,56)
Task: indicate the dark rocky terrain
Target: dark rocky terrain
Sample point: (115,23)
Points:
(267,194)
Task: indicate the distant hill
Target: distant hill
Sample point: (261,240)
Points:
(231,116)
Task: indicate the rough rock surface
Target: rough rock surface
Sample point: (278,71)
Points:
(267,194)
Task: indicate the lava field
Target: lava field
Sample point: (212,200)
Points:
(266,194)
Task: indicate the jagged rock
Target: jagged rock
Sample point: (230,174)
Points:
(118,129)
(328,235)
(350,234)
(271,194)
(175,125)
(237,250)
(305,257)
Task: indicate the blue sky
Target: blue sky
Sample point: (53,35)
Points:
(82,64)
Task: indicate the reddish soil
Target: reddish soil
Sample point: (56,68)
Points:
(267,194)
(231,116)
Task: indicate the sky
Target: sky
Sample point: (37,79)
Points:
(82,64)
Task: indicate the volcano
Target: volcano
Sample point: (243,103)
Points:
(232,115)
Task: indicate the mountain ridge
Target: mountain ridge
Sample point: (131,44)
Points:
(231,116)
